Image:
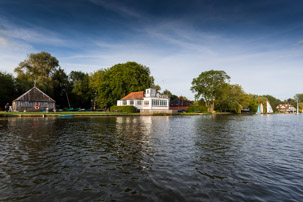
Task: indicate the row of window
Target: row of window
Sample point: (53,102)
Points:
(155,102)
(159,102)
(131,102)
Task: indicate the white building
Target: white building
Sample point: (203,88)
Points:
(150,100)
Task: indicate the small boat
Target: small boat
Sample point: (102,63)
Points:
(260,109)
(269,108)
(67,115)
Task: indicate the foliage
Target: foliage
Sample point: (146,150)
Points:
(274,102)
(263,100)
(37,67)
(95,84)
(121,79)
(7,89)
(80,93)
(208,85)
(299,97)
(126,109)
(61,88)
(170,95)
(232,98)
(197,108)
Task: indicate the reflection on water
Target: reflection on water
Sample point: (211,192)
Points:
(199,158)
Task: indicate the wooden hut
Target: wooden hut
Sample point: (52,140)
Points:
(33,100)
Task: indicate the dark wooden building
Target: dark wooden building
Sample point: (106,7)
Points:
(33,100)
(180,104)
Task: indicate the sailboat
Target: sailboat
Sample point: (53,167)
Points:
(269,108)
(260,109)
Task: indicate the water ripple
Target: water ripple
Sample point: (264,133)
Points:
(199,158)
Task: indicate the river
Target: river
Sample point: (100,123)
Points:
(152,158)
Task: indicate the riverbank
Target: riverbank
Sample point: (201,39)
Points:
(79,114)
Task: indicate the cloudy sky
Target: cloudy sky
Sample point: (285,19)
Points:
(259,43)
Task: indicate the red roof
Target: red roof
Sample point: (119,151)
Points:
(134,95)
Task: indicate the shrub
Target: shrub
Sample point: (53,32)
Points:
(126,109)
(197,108)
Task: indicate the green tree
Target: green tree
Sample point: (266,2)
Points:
(232,99)
(208,85)
(61,88)
(7,89)
(81,94)
(121,79)
(263,100)
(171,96)
(299,97)
(37,67)
(274,102)
(95,84)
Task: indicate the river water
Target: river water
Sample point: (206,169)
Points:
(164,158)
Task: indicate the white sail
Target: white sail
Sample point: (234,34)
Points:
(269,108)
(261,108)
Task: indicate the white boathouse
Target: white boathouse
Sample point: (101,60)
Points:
(150,100)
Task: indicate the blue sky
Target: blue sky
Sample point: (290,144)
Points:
(258,43)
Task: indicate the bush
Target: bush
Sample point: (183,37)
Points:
(196,108)
(126,109)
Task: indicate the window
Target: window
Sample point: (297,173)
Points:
(139,102)
(155,102)
(124,102)
(131,102)
(146,102)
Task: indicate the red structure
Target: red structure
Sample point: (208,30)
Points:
(180,104)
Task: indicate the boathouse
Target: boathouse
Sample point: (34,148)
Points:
(151,100)
(148,103)
(33,100)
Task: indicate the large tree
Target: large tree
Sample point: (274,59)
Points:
(232,98)
(61,88)
(208,85)
(80,91)
(37,67)
(7,89)
(121,79)
(95,84)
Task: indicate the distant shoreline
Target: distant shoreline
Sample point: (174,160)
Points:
(89,114)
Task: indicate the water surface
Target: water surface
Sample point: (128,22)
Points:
(194,158)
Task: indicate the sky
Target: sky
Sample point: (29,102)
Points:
(258,43)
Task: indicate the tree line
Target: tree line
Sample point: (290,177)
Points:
(213,90)
(102,89)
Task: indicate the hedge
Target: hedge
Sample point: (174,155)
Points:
(195,108)
(125,109)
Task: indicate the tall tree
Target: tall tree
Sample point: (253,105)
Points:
(7,89)
(61,88)
(95,84)
(80,93)
(299,97)
(232,98)
(37,67)
(121,79)
(208,85)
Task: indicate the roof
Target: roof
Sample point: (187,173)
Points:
(284,106)
(35,95)
(180,102)
(134,96)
